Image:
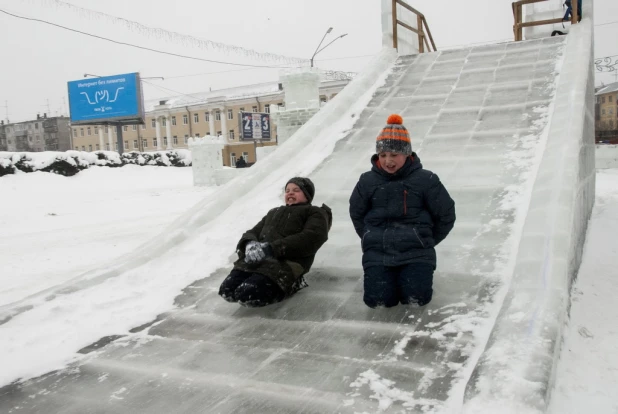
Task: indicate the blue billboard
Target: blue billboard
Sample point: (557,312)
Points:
(108,99)
(254,125)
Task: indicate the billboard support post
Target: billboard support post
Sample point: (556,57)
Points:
(119,138)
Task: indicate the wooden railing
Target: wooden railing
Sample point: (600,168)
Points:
(520,24)
(422,29)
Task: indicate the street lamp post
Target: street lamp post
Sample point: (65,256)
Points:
(318,50)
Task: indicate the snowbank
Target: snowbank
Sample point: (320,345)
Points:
(70,163)
(606,156)
(517,367)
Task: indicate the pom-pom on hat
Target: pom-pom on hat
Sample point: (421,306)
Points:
(394,137)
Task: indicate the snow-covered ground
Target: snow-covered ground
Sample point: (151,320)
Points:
(53,228)
(587,375)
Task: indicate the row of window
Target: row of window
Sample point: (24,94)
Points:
(154,142)
(185,121)
(610,111)
(22,127)
(610,98)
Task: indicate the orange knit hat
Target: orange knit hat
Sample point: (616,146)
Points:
(394,137)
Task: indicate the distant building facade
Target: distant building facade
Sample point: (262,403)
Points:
(606,114)
(3,143)
(42,134)
(171,122)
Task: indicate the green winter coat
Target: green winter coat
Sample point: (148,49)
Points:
(295,234)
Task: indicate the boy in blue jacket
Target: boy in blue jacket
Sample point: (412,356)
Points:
(401,212)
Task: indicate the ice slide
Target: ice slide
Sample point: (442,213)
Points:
(484,119)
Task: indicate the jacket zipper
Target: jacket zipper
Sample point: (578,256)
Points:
(419,237)
(405,202)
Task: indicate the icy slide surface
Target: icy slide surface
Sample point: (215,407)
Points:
(477,118)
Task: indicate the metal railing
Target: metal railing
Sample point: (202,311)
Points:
(520,24)
(422,29)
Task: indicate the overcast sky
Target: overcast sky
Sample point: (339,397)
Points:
(37,59)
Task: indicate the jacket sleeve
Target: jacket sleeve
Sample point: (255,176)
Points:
(306,243)
(248,236)
(441,207)
(359,206)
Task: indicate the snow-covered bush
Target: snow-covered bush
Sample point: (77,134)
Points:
(70,163)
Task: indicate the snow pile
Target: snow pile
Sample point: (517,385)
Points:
(71,162)
(176,158)
(606,156)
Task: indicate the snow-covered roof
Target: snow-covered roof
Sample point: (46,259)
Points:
(222,95)
(612,87)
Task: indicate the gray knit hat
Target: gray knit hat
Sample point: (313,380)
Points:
(305,185)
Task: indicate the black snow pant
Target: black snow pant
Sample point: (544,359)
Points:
(409,284)
(250,289)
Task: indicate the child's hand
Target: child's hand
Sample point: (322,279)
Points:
(254,252)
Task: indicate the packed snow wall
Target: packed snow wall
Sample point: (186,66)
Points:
(606,156)
(529,326)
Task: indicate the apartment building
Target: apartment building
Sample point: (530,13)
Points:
(3,144)
(170,122)
(606,114)
(42,134)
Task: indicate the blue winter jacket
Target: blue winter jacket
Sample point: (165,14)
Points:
(400,217)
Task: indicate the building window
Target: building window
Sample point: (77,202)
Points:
(267,108)
(245,156)
(196,118)
(233,159)
(143,126)
(106,129)
(83,148)
(153,122)
(165,141)
(74,132)
(134,127)
(254,108)
(611,124)
(107,147)
(603,112)
(242,109)
(125,128)
(197,135)
(186,139)
(231,134)
(230,114)
(90,148)
(609,98)
(154,142)
(218,116)
(116,145)
(208,133)
(174,121)
(144,143)
(126,145)
(603,100)
(218,133)
(96,130)
(206,117)
(36,125)
(175,140)
(89,132)
(135,146)
(30,139)
(38,138)
(76,148)
(611,111)
(164,121)
(185,119)
(97,147)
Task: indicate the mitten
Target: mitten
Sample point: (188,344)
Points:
(267,249)
(254,253)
